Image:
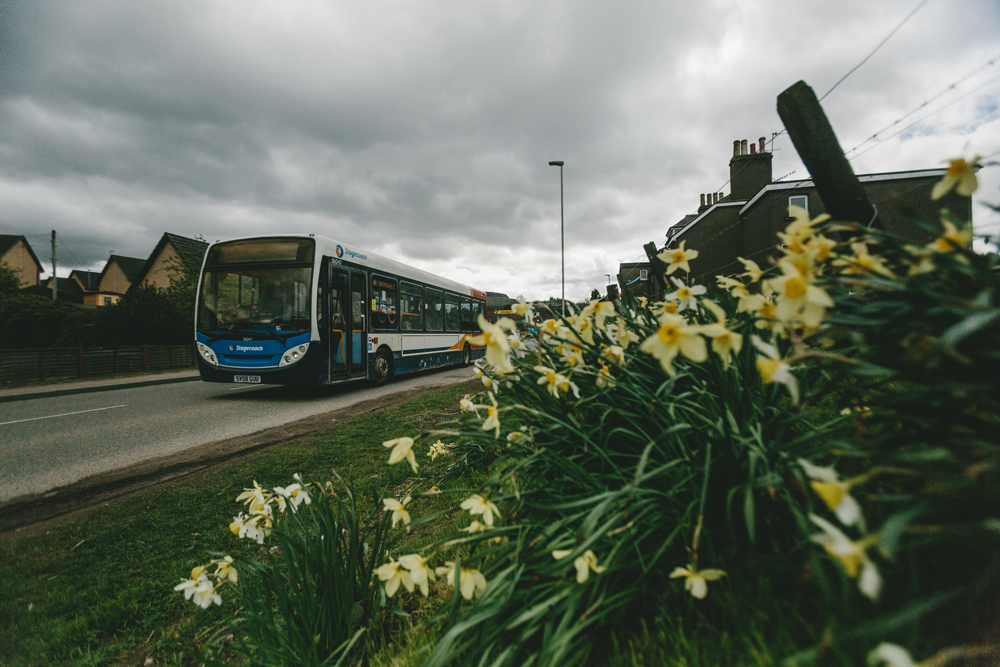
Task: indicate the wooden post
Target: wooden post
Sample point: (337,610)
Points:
(658,267)
(822,155)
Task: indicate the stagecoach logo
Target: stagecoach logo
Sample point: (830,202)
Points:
(339,251)
(247,348)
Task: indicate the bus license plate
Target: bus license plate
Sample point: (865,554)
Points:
(254,379)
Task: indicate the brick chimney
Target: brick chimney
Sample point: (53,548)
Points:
(748,171)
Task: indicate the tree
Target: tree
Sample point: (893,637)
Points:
(10,279)
(595,294)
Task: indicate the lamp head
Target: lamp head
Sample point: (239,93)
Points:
(556,163)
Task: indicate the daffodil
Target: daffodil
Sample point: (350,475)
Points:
(398,509)
(620,332)
(254,498)
(952,239)
(862,262)
(685,296)
(393,574)
(497,346)
(673,336)
(892,655)
(960,175)
(821,248)
(599,310)
(420,574)
(572,355)
(294,493)
(475,527)
(834,492)
(747,302)
(402,448)
(677,258)
(556,384)
(798,299)
(753,271)
(800,230)
(189,586)
(775,369)
(516,436)
(471,582)
(724,342)
(224,569)
(476,504)
(487,380)
(436,450)
(851,556)
(523,309)
(492,420)
(661,308)
(604,376)
(465,404)
(695,580)
(584,564)
(727,282)
(204,594)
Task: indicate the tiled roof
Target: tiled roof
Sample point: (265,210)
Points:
(91,280)
(192,251)
(130,266)
(8,241)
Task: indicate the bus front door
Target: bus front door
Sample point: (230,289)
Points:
(359,331)
(340,337)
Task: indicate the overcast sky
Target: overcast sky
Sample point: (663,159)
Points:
(423,130)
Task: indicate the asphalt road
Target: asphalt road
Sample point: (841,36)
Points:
(50,442)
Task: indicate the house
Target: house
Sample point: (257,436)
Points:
(16,253)
(69,290)
(170,253)
(89,283)
(745,222)
(636,279)
(118,275)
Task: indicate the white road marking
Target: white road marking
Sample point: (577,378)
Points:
(65,414)
(249,386)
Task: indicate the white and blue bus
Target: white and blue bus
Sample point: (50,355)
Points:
(308,310)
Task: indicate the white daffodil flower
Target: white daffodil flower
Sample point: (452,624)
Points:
(851,556)
(436,450)
(695,580)
(497,346)
(294,493)
(398,509)
(475,527)
(678,258)
(224,569)
(189,586)
(798,299)
(753,271)
(420,574)
(476,504)
(465,404)
(960,172)
(555,382)
(492,420)
(685,296)
(402,448)
(834,492)
(393,574)
(725,343)
(254,498)
(471,582)
(892,655)
(673,336)
(584,563)
(775,369)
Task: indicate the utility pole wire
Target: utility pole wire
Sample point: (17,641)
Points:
(910,15)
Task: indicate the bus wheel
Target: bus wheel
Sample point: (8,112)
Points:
(466,355)
(383,367)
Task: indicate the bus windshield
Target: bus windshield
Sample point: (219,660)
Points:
(265,299)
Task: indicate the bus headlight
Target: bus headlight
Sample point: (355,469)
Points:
(206,353)
(293,354)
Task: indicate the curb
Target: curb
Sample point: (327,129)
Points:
(86,390)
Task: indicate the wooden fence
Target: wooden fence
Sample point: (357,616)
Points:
(80,362)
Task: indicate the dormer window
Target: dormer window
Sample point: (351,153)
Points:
(642,274)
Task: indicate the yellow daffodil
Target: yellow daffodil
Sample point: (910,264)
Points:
(402,448)
(475,527)
(675,336)
(492,420)
(952,239)
(572,355)
(851,556)
(747,302)
(556,383)
(487,380)
(224,570)
(862,262)
(775,369)
(497,346)
(753,271)
(695,580)
(254,498)
(677,258)
(476,504)
(604,376)
(661,308)
(821,248)
(834,492)
(599,310)
(685,296)
(393,574)
(726,282)
(471,582)
(922,261)
(585,563)
(516,436)
(436,450)
(295,493)
(524,310)
(398,509)
(620,332)
(420,574)
(724,341)
(466,404)
(960,175)
(800,230)
(798,299)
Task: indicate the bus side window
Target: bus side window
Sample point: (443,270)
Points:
(434,310)
(467,321)
(412,305)
(384,303)
(452,317)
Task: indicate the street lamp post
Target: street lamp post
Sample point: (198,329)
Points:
(562,233)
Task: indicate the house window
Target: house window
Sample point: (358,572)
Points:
(107,301)
(802,201)
(643,273)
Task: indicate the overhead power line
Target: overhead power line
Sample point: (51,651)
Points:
(854,69)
